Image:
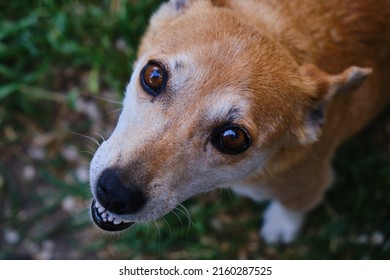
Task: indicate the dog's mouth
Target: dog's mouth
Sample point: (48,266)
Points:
(105,220)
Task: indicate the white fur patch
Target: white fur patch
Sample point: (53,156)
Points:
(280,225)
(256,192)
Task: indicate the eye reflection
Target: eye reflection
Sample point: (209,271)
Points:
(231,139)
(153,78)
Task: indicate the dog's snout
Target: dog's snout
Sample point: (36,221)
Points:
(115,196)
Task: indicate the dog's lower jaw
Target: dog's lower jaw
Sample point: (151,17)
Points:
(104,220)
(280,225)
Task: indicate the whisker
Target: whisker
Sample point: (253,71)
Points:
(114,111)
(169,227)
(147,232)
(107,100)
(101,136)
(181,222)
(159,235)
(135,228)
(187,214)
(234,204)
(231,198)
(87,137)
(88,152)
(91,149)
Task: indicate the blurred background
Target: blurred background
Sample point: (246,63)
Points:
(63,69)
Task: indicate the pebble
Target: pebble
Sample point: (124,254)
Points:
(29,172)
(70,153)
(82,173)
(377,238)
(11,236)
(36,153)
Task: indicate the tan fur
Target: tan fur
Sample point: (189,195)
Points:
(274,60)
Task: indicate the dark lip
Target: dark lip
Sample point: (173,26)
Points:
(106,225)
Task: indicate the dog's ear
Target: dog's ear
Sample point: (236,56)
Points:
(324,88)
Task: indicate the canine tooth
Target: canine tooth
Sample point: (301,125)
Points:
(117,221)
(101,209)
(104,215)
(110,218)
(97,204)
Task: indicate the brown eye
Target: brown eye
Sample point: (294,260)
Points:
(231,139)
(153,78)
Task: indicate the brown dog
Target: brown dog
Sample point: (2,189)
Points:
(255,95)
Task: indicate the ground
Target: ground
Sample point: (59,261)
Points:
(63,68)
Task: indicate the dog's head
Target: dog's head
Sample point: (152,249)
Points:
(210,100)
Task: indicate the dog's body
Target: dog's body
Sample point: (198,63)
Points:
(255,95)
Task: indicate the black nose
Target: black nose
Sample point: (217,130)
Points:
(116,197)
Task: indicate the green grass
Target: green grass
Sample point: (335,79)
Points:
(59,62)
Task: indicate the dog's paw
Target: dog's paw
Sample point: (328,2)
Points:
(280,224)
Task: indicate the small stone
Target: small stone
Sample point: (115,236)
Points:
(82,173)
(120,44)
(377,238)
(29,172)
(69,204)
(36,153)
(11,236)
(70,153)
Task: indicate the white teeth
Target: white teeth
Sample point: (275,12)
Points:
(100,208)
(106,216)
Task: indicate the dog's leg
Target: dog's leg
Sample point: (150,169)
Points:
(294,196)
(281,225)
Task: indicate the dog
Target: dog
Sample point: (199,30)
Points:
(254,95)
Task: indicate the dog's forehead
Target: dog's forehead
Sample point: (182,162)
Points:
(217,73)
(207,61)
(202,75)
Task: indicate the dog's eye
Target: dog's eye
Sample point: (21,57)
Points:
(153,78)
(231,139)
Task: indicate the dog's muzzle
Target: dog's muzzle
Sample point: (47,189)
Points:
(113,198)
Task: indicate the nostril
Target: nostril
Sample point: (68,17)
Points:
(116,197)
(108,180)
